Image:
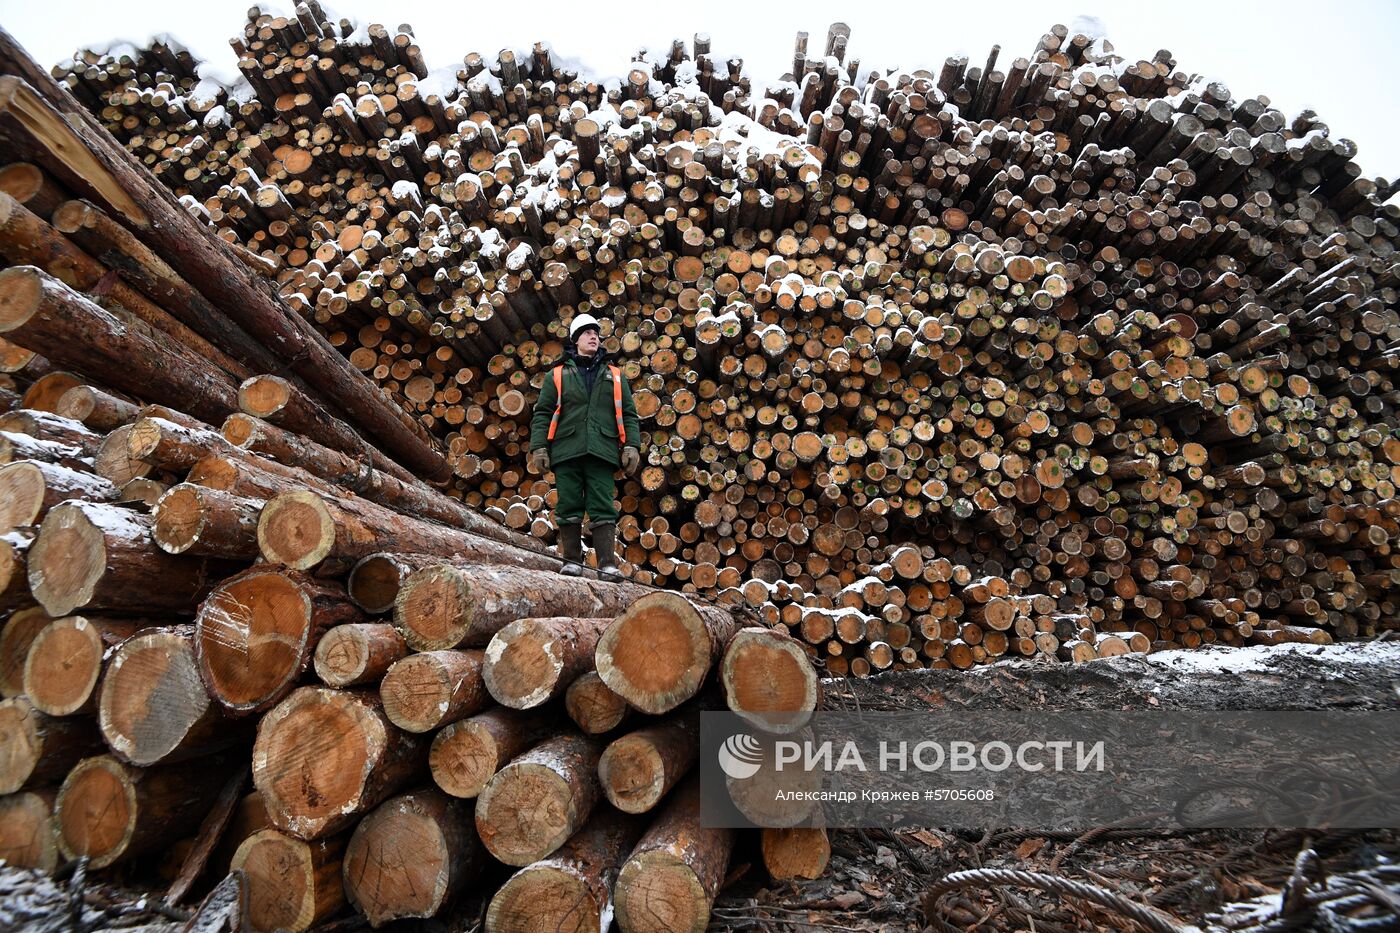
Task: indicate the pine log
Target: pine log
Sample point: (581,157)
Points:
(191,519)
(119,250)
(799,853)
(465,754)
(153,709)
(26,240)
(769,680)
(375,580)
(670,880)
(571,891)
(324,757)
(350,471)
(28,831)
(36,749)
(96,409)
(425,691)
(639,768)
(29,488)
(16,636)
(114,462)
(593,706)
(411,857)
(358,653)
(533,805)
(256,633)
(40,312)
(46,426)
(292,885)
(173,447)
(98,556)
(532,661)
(14,580)
(15,446)
(278,402)
(657,653)
(144,491)
(112,812)
(67,658)
(466,603)
(85,159)
(303,529)
(253,477)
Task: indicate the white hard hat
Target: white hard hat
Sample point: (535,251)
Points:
(580,322)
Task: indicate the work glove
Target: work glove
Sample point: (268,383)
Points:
(540,459)
(631,459)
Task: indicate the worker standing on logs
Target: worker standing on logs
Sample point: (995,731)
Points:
(583,426)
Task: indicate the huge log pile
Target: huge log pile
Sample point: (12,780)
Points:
(1066,357)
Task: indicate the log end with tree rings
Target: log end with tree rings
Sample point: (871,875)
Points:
(21,294)
(27,836)
(199,520)
(799,853)
(656,654)
(535,803)
(375,581)
(411,857)
(292,885)
(638,769)
(434,608)
(658,891)
(153,707)
(21,494)
(114,461)
(593,706)
(769,680)
(324,756)
(97,811)
(253,637)
(68,559)
(263,396)
(64,662)
(296,529)
(358,653)
(180,518)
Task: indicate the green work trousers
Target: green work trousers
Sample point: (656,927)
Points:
(585,484)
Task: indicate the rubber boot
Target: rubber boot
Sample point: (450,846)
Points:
(571,548)
(603,540)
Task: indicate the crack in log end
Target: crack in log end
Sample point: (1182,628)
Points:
(21,100)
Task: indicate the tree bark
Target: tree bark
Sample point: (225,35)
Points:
(463,603)
(324,757)
(411,857)
(534,804)
(532,661)
(657,653)
(256,633)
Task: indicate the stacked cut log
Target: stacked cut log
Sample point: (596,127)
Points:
(1081,326)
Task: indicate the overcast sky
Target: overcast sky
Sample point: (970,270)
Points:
(1336,58)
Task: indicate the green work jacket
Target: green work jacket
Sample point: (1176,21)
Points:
(586,425)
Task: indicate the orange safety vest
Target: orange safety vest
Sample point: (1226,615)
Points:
(617,401)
